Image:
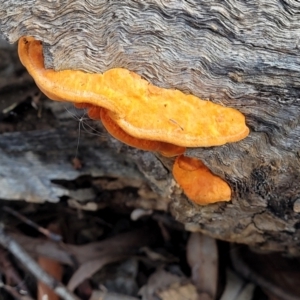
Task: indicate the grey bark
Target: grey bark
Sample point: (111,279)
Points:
(242,54)
(35,164)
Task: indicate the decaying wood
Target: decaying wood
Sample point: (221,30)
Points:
(46,157)
(242,54)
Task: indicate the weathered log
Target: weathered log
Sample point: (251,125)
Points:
(241,54)
(36,162)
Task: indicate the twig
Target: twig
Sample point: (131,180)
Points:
(7,242)
(12,277)
(50,235)
(13,292)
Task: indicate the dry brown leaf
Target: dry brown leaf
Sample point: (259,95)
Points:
(121,244)
(100,295)
(158,281)
(180,292)
(234,285)
(53,268)
(91,267)
(274,273)
(202,256)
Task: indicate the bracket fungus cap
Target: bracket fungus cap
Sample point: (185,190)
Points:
(198,183)
(142,110)
(117,132)
(100,113)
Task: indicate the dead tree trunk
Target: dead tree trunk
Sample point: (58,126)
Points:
(242,54)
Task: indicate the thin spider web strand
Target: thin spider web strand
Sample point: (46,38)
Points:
(83,124)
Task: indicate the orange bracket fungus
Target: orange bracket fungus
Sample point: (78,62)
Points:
(198,183)
(141,110)
(117,132)
(98,113)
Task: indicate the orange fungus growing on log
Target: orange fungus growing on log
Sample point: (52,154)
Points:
(198,183)
(117,132)
(140,109)
(98,113)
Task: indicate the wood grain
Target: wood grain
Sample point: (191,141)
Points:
(242,54)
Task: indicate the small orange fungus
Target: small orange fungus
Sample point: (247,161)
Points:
(142,110)
(165,149)
(198,183)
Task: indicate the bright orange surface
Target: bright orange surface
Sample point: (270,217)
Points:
(142,110)
(198,183)
(165,149)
